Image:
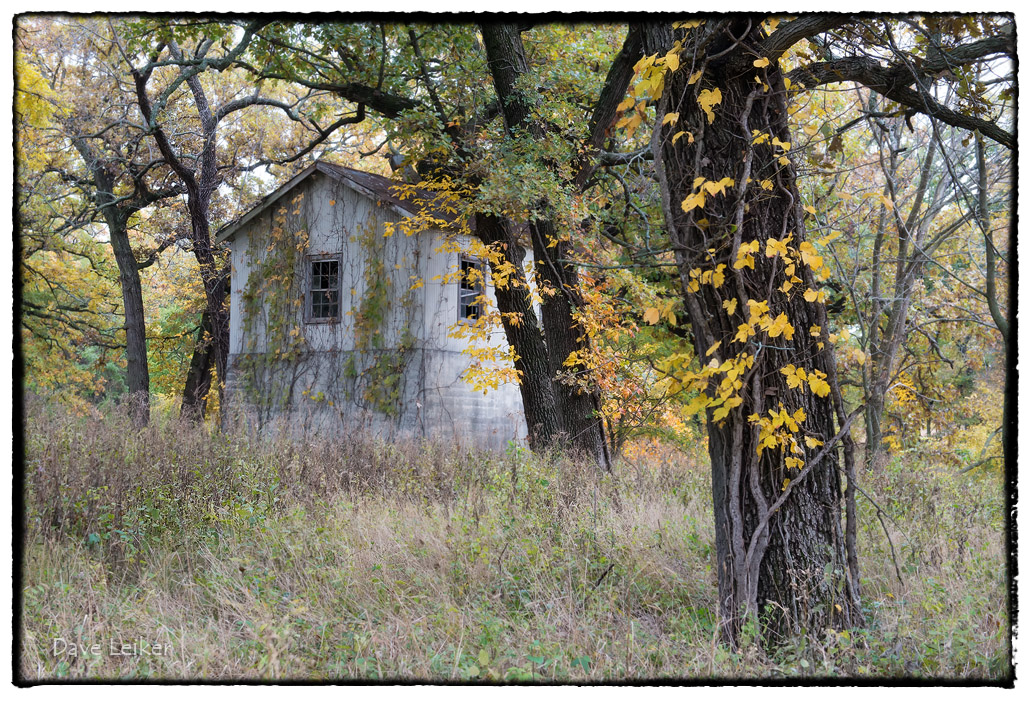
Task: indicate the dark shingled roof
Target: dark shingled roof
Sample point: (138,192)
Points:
(371,185)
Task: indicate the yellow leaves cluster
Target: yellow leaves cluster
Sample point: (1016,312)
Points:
(760,137)
(703,188)
(726,397)
(776,247)
(759,318)
(714,277)
(813,296)
(745,255)
(634,118)
(652,315)
(777,431)
(780,325)
(809,256)
(796,377)
(817,383)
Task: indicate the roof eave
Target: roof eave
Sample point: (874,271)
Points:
(230,230)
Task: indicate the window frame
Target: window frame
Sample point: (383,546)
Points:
(480,290)
(309,289)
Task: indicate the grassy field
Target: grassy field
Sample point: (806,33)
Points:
(349,558)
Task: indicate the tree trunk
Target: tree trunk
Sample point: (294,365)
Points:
(200,182)
(513,302)
(198,377)
(577,405)
(780,544)
(137,370)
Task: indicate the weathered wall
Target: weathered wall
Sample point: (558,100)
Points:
(390,365)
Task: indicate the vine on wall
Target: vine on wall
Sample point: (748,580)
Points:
(374,375)
(272,298)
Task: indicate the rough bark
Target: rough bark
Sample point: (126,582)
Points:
(524,336)
(199,182)
(552,251)
(116,216)
(781,549)
(198,377)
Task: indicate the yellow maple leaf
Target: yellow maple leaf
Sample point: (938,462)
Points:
(779,326)
(718,188)
(709,99)
(696,200)
(730,305)
(775,247)
(809,255)
(813,296)
(817,381)
(790,372)
(651,316)
(718,277)
(671,118)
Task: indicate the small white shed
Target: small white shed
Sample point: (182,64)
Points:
(342,321)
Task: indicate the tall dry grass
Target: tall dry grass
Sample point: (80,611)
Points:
(349,558)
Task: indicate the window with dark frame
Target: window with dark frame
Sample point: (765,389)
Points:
(470,288)
(324,291)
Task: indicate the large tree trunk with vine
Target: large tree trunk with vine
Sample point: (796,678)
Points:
(198,377)
(523,334)
(577,404)
(781,546)
(200,179)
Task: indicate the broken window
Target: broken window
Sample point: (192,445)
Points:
(470,289)
(324,290)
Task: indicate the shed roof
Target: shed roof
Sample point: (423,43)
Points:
(377,187)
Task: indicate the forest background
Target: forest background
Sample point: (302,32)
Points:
(890,266)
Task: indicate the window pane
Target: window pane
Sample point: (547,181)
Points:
(324,293)
(470,287)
